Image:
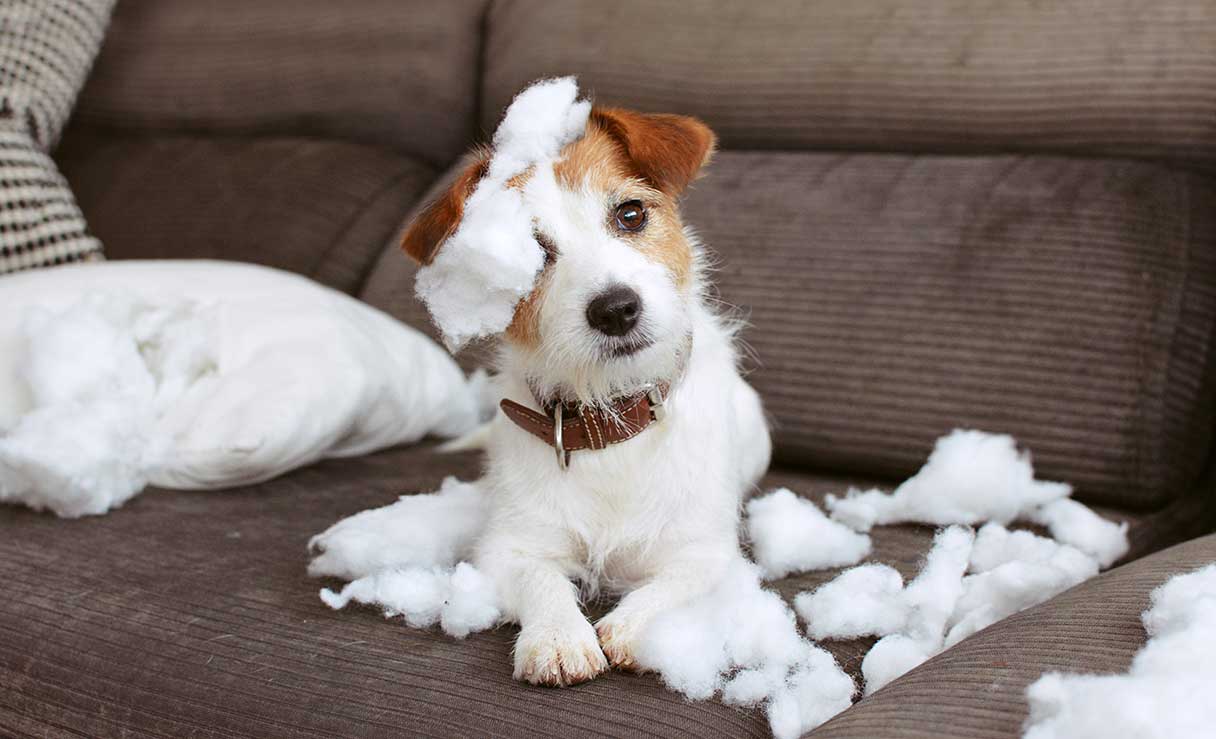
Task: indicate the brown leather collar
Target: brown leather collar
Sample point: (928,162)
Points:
(569,427)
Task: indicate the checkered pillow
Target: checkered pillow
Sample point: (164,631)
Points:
(46,49)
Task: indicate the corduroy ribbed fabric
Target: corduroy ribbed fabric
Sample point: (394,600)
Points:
(322,208)
(891,299)
(399,73)
(191,612)
(1136,77)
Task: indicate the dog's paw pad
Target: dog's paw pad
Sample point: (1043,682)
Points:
(558,657)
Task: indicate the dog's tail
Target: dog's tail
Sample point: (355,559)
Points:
(478,438)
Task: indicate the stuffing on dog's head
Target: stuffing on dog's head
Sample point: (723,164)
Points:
(611,309)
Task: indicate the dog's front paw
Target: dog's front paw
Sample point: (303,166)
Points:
(558,655)
(619,636)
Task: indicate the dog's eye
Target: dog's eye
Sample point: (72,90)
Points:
(630,216)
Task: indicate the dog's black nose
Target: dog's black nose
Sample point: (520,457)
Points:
(615,311)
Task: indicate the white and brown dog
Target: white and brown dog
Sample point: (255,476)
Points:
(628,438)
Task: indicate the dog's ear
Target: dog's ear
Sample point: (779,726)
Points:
(437,222)
(665,150)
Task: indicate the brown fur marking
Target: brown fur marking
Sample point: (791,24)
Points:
(437,222)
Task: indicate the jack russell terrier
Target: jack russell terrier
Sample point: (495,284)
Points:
(628,438)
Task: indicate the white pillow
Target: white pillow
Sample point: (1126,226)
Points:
(199,375)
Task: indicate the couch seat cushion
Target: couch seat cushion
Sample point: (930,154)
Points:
(318,207)
(192,613)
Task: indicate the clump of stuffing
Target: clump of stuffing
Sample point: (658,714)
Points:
(459,600)
(1075,524)
(971,477)
(434,530)
(929,601)
(98,374)
(790,534)
(1009,572)
(1166,694)
(862,601)
(1012,571)
(491,261)
(742,641)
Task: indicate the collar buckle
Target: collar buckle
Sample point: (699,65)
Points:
(557,436)
(655,396)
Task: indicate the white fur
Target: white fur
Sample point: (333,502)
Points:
(654,518)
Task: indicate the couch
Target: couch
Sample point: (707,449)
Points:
(999,215)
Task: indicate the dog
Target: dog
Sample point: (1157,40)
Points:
(628,437)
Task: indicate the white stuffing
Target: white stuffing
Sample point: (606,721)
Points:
(790,534)
(1013,570)
(1166,693)
(1075,524)
(434,530)
(1009,572)
(200,375)
(862,601)
(971,477)
(742,641)
(891,657)
(491,261)
(460,600)
(929,601)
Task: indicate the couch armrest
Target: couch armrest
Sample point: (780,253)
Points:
(976,690)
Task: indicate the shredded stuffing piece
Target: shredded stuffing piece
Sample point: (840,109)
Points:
(1167,692)
(971,477)
(491,262)
(742,642)
(790,534)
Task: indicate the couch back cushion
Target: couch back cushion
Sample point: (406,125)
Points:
(401,73)
(1073,76)
(892,298)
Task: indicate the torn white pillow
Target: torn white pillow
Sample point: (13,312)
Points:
(200,375)
(491,261)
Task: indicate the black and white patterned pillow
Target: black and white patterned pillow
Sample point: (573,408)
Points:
(46,50)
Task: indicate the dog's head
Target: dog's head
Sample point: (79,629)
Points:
(612,309)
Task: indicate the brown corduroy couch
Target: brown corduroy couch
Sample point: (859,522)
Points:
(935,214)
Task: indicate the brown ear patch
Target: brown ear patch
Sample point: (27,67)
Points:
(440,219)
(665,150)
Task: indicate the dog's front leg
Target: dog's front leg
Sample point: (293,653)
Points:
(685,576)
(556,646)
